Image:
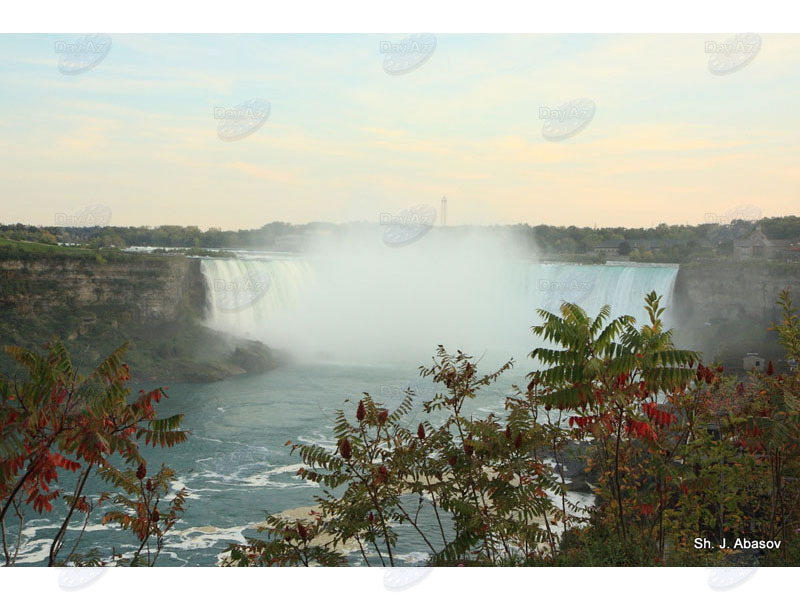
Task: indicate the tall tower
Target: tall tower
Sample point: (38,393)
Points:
(444,211)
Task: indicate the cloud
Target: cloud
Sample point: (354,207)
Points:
(344,139)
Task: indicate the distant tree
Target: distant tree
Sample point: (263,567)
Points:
(48,238)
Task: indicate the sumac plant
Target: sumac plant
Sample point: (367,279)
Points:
(679,449)
(737,473)
(289,543)
(615,381)
(672,447)
(746,466)
(58,428)
(483,483)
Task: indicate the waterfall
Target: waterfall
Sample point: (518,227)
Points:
(366,308)
(621,286)
(245,294)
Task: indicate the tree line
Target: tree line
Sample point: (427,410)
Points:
(666,243)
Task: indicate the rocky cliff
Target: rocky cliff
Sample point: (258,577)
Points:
(141,288)
(726,308)
(156,303)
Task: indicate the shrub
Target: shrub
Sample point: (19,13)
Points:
(58,421)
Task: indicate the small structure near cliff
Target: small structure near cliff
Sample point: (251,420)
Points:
(757,245)
(753,361)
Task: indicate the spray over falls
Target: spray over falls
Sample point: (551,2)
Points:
(384,304)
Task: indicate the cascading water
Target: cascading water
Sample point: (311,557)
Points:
(245,294)
(621,286)
(359,309)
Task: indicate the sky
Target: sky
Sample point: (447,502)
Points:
(345,140)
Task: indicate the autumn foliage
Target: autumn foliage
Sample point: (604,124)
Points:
(58,424)
(671,447)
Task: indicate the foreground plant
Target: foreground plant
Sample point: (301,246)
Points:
(59,423)
(613,379)
(289,543)
(679,450)
(673,449)
(484,482)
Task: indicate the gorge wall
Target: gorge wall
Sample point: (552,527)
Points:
(725,308)
(138,288)
(156,303)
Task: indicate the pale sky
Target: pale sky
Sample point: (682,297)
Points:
(344,141)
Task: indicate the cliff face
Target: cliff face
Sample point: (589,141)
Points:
(146,289)
(154,303)
(725,308)
(722,309)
